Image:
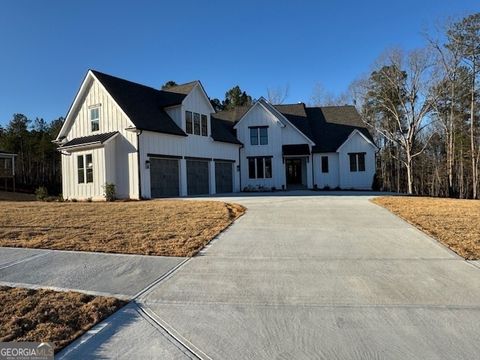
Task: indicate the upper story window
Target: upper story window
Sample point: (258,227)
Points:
(189,122)
(357,162)
(259,135)
(85,168)
(196,123)
(204,125)
(324,164)
(95,118)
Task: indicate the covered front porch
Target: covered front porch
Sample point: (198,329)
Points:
(298,170)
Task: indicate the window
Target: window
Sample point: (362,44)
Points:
(263,136)
(357,162)
(95,118)
(89,168)
(259,135)
(188,122)
(324,164)
(196,123)
(204,125)
(85,168)
(81,169)
(260,167)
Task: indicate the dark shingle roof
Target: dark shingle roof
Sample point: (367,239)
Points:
(222,130)
(331,126)
(142,104)
(182,88)
(233,115)
(89,140)
(328,126)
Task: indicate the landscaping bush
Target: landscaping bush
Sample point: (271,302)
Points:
(41,193)
(110,193)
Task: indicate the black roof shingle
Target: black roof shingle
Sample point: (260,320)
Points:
(89,140)
(142,104)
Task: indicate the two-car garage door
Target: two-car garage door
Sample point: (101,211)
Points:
(165,178)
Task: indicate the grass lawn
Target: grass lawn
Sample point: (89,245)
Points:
(157,227)
(50,316)
(454,222)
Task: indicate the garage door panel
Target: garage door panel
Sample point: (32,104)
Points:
(197,177)
(164,178)
(223,177)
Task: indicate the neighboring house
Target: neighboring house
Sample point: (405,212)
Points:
(161,143)
(7,168)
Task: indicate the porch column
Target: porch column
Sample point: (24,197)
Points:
(309,172)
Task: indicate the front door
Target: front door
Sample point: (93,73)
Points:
(294,171)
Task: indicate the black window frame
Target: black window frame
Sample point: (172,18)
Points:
(196,123)
(188,122)
(80,169)
(325,165)
(260,167)
(357,162)
(204,125)
(258,135)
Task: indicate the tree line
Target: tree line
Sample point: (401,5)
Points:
(38,161)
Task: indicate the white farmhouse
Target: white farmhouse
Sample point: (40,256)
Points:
(163,143)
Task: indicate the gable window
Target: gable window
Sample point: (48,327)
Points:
(357,162)
(259,135)
(95,118)
(324,164)
(196,123)
(188,122)
(204,125)
(260,167)
(85,168)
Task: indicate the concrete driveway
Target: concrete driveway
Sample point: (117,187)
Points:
(306,277)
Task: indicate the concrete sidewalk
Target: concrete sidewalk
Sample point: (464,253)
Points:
(123,276)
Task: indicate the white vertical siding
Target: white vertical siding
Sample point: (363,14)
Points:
(330,179)
(175,112)
(358,179)
(278,134)
(112,118)
(71,188)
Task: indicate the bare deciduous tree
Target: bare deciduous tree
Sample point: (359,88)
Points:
(278,95)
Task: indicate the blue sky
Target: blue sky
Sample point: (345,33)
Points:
(46,46)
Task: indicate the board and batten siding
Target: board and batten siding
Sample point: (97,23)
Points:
(357,179)
(124,170)
(184,146)
(71,188)
(330,179)
(278,135)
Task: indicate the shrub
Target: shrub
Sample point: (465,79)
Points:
(41,193)
(376,183)
(109,192)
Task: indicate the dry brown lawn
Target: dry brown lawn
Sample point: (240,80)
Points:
(157,227)
(454,222)
(50,316)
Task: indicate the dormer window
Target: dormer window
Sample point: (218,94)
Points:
(95,118)
(196,124)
